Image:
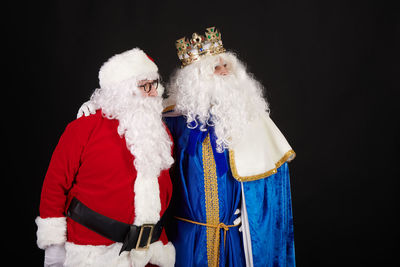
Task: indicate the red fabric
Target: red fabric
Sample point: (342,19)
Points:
(92,163)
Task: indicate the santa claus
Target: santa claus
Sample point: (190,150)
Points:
(108,186)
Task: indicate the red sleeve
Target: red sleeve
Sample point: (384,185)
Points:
(63,167)
(170,137)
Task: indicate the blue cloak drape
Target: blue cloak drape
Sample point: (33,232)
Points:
(268,206)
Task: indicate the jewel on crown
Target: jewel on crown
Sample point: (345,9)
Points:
(199,46)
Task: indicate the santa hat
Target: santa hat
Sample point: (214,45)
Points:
(130,64)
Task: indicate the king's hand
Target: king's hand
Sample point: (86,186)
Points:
(87,108)
(238,220)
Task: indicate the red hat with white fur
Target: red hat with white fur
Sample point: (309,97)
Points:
(133,63)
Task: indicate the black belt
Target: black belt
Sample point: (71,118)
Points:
(132,236)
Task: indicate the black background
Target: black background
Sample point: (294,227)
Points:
(330,69)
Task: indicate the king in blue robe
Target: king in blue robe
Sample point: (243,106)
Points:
(229,155)
(206,192)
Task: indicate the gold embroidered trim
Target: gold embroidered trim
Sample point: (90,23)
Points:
(288,156)
(211,200)
(169,108)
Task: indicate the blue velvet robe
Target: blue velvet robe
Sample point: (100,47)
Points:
(268,204)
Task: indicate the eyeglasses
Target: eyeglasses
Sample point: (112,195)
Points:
(147,87)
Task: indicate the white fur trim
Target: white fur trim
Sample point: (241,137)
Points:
(147,200)
(121,67)
(162,255)
(261,147)
(105,256)
(51,231)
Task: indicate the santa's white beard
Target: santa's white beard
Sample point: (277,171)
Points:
(146,136)
(228,102)
(140,123)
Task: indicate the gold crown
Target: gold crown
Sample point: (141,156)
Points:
(199,46)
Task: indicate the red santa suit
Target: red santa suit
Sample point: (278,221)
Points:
(93,164)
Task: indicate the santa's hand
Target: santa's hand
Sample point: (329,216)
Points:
(54,256)
(238,220)
(87,108)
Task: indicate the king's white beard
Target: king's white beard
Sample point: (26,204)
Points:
(140,123)
(227,102)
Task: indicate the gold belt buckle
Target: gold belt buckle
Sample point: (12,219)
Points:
(138,247)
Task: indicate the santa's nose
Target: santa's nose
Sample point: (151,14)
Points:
(153,92)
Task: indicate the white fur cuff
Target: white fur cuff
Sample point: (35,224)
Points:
(164,255)
(157,254)
(51,231)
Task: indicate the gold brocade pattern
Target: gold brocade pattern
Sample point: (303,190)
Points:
(211,200)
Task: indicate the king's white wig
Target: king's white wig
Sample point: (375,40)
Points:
(227,102)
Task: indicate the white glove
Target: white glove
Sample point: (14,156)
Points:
(54,256)
(87,108)
(238,220)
